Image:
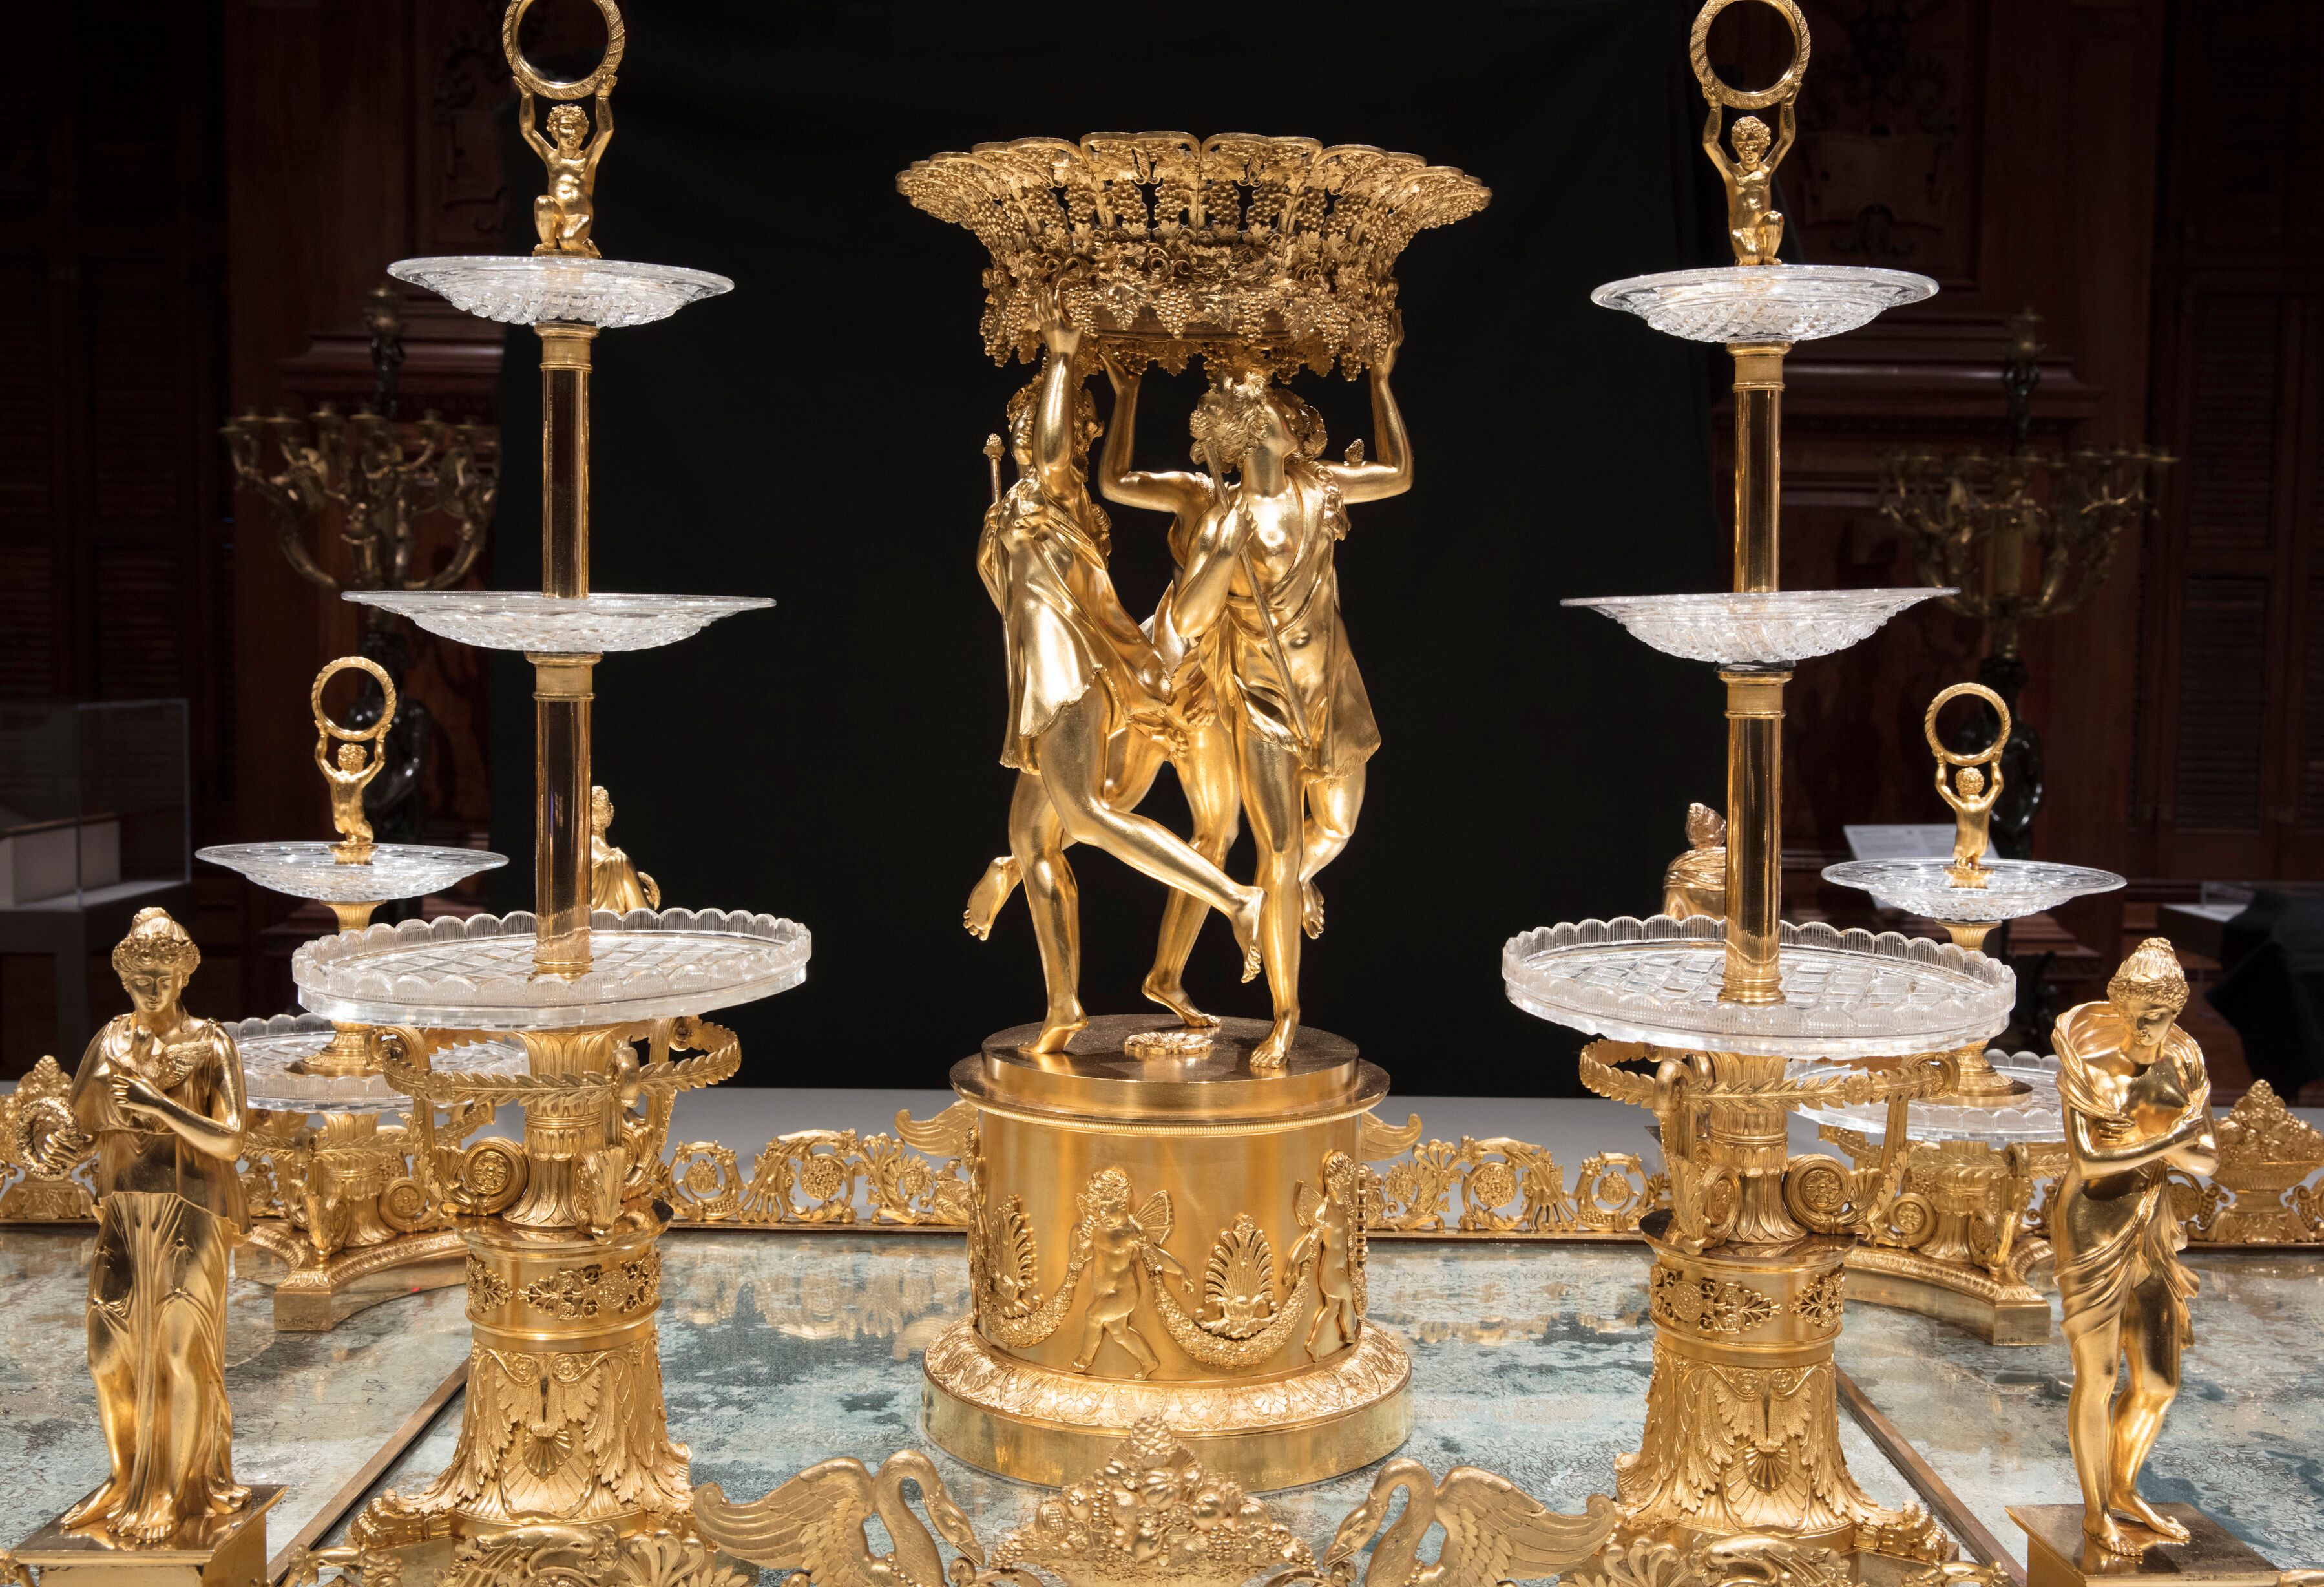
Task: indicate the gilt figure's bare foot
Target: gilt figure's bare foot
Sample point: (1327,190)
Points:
(97,1503)
(1172,996)
(984,899)
(1312,915)
(2133,1507)
(1275,1047)
(2108,1538)
(153,1524)
(1245,922)
(1057,1030)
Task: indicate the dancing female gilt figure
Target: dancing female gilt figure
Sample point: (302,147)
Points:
(1258,592)
(1080,673)
(2137,1104)
(160,1093)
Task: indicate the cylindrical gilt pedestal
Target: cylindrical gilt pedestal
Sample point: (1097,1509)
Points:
(1742,1430)
(1172,1236)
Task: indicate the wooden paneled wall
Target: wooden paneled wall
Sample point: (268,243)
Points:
(115,557)
(2006,148)
(2230,768)
(194,200)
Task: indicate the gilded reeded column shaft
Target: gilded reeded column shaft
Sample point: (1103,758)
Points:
(1755,846)
(563,687)
(568,1135)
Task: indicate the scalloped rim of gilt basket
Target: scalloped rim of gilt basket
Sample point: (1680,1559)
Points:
(1267,250)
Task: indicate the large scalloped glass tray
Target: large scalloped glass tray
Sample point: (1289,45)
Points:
(1755,628)
(309,871)
(2032,1116)
(521,620)
(2013,888)
(476,973)
(532,289)
(1847,994)
(1764,302)
(269,1047)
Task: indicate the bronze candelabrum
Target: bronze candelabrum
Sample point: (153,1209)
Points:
(382,479)
(2017,536)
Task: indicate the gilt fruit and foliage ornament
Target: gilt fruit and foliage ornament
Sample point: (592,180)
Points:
(1275,251)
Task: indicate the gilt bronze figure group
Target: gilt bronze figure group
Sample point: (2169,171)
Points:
(1241,681)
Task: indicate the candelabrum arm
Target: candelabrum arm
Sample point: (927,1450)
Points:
(294,496)
(467,488)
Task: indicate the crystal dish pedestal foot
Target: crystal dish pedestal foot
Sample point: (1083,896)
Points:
(1961,1243)
(1174,1236)
(338,1220)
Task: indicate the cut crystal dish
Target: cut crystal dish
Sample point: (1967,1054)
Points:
(1764,302)
(1763,628)
(2032,1116)
(308,870)
(269,1047)
(477,973)
(520,620)
(532,289)
(1846,995)
(2013,888)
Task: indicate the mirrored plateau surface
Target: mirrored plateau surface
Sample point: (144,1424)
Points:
(781,1350)
(2244,1440)
(308,1409)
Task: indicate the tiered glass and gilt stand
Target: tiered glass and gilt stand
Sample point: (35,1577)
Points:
(1963,1237)
(563,1419)
(339,1222)
(1742,1429)
(1955,1243)
(1085,1174)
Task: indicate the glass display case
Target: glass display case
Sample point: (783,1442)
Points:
(94,824)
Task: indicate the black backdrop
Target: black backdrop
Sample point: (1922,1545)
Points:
(815,436)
